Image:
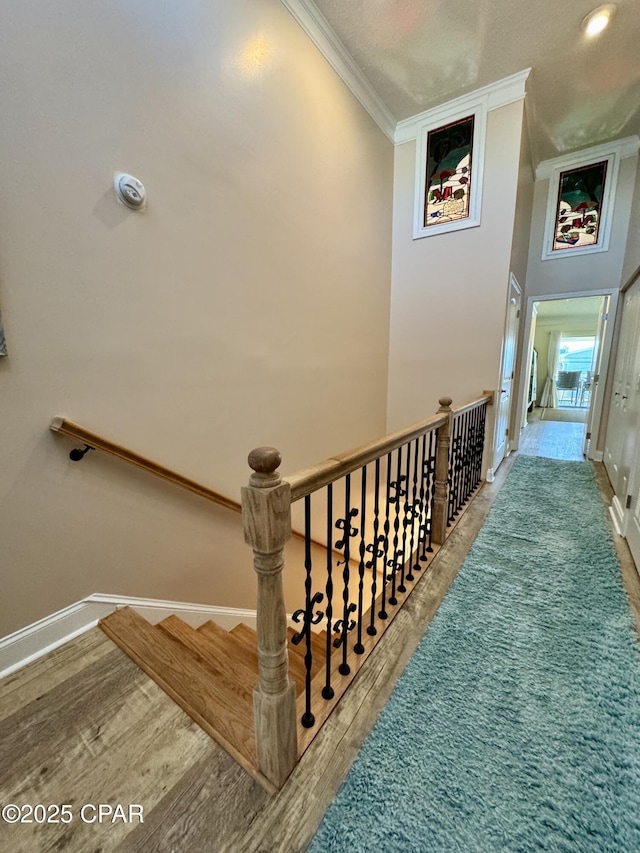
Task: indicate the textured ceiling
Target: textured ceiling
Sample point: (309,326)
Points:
(584,309)
(420,53)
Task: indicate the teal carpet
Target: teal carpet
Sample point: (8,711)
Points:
(516,724)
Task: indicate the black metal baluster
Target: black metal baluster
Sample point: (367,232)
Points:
(433,445)
(453,468)
(393,564)
(359,648)
(382,613)
(418,505)
(423,528)
(479,447)
(327,690)
(462,491)
(471,458)
(375,551)
(474,450)
(406,517)
(307,617)
(481,436)
(346,623)
(415,512)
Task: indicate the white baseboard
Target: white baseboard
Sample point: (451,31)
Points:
(34,641)
(617,515)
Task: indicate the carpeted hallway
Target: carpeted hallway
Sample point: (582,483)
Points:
(516,725)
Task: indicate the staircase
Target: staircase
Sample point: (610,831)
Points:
(209,672)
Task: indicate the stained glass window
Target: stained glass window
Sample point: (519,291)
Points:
(448,172)
(578,211)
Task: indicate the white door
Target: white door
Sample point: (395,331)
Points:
(622,444)
(619,426)
(503,397)
(595,385)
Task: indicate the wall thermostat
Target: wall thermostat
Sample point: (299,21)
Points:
(130,191)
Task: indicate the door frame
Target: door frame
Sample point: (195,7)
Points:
(514,288)
(597,426)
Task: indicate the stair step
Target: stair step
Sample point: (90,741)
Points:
(218,652)
(297,669)
(245,650)
(222,708)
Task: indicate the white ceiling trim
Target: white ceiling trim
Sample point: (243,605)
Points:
(626,147)
(497,94)
(323,36)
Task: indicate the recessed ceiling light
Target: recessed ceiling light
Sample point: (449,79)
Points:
(597,21)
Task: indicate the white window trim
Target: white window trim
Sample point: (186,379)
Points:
(438,118)
(612,159)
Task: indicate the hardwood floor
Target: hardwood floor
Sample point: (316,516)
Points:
(85,725)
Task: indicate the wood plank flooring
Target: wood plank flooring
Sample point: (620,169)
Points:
(86,725)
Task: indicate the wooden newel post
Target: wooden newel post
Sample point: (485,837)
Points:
(441,491)
(266,518)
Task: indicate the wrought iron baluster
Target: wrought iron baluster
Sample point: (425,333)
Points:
(382,613)
(431,487)
(418,508)
(423,526)
(307,616)
(359,648)
(327,690)
(394,563)
(375,551)
(346,623)
(415,513)
(464,462)
(453,468)
(407,514)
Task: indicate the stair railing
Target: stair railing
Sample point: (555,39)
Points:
(382,511)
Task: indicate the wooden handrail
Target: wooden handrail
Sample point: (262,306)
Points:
(97,442)
(315,477)
(487,397)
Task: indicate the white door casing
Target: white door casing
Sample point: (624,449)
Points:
(507,374)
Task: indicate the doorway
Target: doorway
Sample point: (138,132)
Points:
(569,339)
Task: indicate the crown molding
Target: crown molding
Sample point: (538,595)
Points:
(626,147)
(496,95)
(322,35)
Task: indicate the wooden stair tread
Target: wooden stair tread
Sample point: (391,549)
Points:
(246,651)
(222,709)
(216,651)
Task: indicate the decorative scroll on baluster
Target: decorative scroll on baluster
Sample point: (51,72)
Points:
(266,519)
(346,623)
(307,616)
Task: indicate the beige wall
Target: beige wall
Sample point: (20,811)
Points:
(591,272)
(449,292)
(248,305)
(524,207)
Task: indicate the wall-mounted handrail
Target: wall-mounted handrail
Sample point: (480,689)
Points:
(98,442)
(317,476)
